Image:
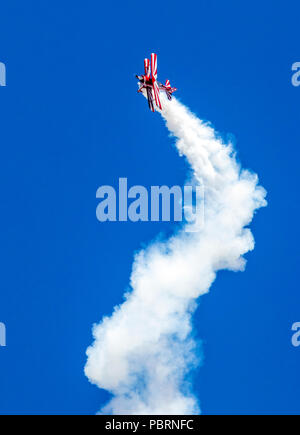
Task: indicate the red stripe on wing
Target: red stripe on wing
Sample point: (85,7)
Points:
(147,67)
(156,95)
(154,65)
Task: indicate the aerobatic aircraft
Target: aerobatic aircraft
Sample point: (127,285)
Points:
(148,83)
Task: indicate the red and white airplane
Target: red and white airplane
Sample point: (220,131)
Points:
(148,83)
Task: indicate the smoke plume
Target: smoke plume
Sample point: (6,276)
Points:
(144,352)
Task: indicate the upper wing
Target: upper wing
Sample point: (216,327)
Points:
(147,67)
(154,65)
(154,82)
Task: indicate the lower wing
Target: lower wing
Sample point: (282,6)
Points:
(150,99)
(156,95)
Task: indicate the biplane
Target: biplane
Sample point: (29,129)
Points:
(149,85)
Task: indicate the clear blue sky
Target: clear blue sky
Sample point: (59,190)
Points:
(71,121)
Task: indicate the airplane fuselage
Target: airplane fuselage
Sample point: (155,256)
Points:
(145,81)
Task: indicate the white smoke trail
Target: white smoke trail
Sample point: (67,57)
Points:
(143,353)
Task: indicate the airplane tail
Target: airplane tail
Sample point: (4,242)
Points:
(169,90)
